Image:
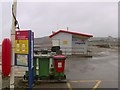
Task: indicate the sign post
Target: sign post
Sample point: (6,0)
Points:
(24,42)
(22,49)
(12,42)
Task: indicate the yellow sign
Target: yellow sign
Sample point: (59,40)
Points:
(65,42)
(21,46)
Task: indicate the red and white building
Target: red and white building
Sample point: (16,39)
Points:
(71,42)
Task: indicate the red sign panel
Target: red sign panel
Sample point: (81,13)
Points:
(59,65)
(21,35)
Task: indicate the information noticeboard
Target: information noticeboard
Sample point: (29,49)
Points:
(24,46)
(22,60)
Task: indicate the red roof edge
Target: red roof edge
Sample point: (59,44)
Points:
(75,33)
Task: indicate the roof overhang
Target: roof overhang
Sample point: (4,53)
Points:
(69,32)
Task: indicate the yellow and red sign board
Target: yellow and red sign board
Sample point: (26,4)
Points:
(21,42)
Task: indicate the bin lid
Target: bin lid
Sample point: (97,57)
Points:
(59,57)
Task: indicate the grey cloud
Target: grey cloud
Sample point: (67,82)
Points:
(99,19)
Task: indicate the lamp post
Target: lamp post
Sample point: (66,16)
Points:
(12,42)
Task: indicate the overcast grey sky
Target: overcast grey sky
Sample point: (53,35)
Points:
(97,18)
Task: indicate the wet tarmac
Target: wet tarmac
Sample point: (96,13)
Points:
(103,68)
(100,71)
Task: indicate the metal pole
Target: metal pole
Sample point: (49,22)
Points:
(12,42)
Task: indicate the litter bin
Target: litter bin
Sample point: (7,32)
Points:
(44,67)
(59,65)
(26,76)
(55,48)
(35,67)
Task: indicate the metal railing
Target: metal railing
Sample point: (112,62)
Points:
(76,50)
(70,50)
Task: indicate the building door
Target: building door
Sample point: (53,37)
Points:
(56,42)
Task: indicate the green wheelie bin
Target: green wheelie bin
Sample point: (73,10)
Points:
(44,67)
(35,68)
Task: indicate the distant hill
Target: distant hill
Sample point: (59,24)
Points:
(42,43)
(105,41)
